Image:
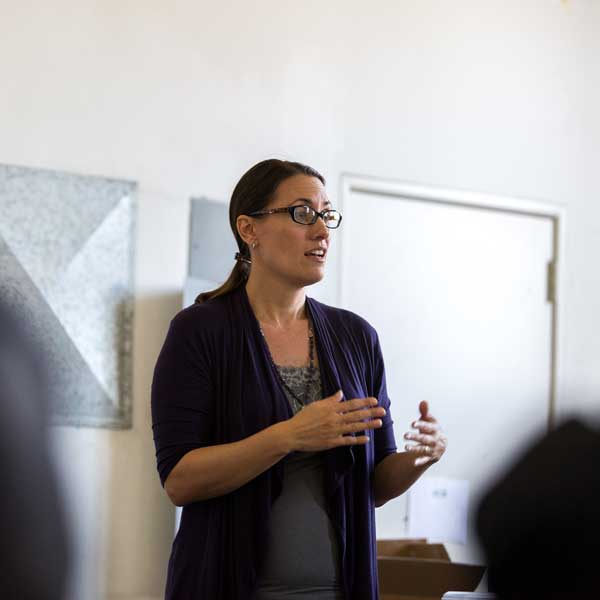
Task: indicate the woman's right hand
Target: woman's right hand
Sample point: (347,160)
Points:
(327,423)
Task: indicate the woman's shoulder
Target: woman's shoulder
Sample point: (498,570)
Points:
(208,316)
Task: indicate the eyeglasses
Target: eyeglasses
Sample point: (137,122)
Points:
(305,215)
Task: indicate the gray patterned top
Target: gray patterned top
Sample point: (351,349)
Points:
(297,378)
(303,557)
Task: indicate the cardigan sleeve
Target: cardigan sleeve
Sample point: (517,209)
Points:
(385,442)
(182,397)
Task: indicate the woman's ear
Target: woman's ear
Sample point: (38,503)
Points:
(246,228)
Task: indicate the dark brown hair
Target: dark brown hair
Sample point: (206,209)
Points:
(253,192)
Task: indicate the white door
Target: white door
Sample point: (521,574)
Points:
(458,295)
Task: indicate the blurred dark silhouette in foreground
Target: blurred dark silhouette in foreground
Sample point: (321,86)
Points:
(540,525)
(34,544)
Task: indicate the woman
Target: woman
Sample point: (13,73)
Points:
(271,417)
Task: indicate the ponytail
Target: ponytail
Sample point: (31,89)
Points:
(237,278)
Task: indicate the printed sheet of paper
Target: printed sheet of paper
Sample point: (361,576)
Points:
(437,510)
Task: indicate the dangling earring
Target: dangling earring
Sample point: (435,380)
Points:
(253,245)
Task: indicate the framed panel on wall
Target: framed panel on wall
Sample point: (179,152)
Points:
(66,269)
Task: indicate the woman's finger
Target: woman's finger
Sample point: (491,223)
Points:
(354,404)
(363,415)
(429,418)
(431,427)
(419,449)
(424,410)
(429,440)
(354,427)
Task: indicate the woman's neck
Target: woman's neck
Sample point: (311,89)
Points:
(275,304)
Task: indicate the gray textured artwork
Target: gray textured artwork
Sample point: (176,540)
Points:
(212,247)
(66,267)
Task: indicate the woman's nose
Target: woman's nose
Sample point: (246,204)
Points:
(323,229)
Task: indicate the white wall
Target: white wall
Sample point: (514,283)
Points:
(498,96)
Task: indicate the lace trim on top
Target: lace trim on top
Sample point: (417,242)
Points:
(297,378)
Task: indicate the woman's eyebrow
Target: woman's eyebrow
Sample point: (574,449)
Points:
(308,200)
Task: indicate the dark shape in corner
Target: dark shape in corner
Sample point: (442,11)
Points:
(540,524)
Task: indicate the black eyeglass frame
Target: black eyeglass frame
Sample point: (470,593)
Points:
(292,209)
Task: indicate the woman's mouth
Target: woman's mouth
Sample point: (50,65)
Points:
(317,255)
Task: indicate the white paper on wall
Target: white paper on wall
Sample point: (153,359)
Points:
(437,510)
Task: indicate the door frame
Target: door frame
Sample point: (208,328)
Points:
(505,204)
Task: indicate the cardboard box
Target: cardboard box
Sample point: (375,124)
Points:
(416,570)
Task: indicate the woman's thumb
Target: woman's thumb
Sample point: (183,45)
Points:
(338,395)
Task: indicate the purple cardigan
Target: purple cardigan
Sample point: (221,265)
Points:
(214,384)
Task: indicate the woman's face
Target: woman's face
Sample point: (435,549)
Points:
(283,244)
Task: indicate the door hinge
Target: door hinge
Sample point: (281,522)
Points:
(551,287)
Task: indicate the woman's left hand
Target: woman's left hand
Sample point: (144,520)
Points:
(431,443)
